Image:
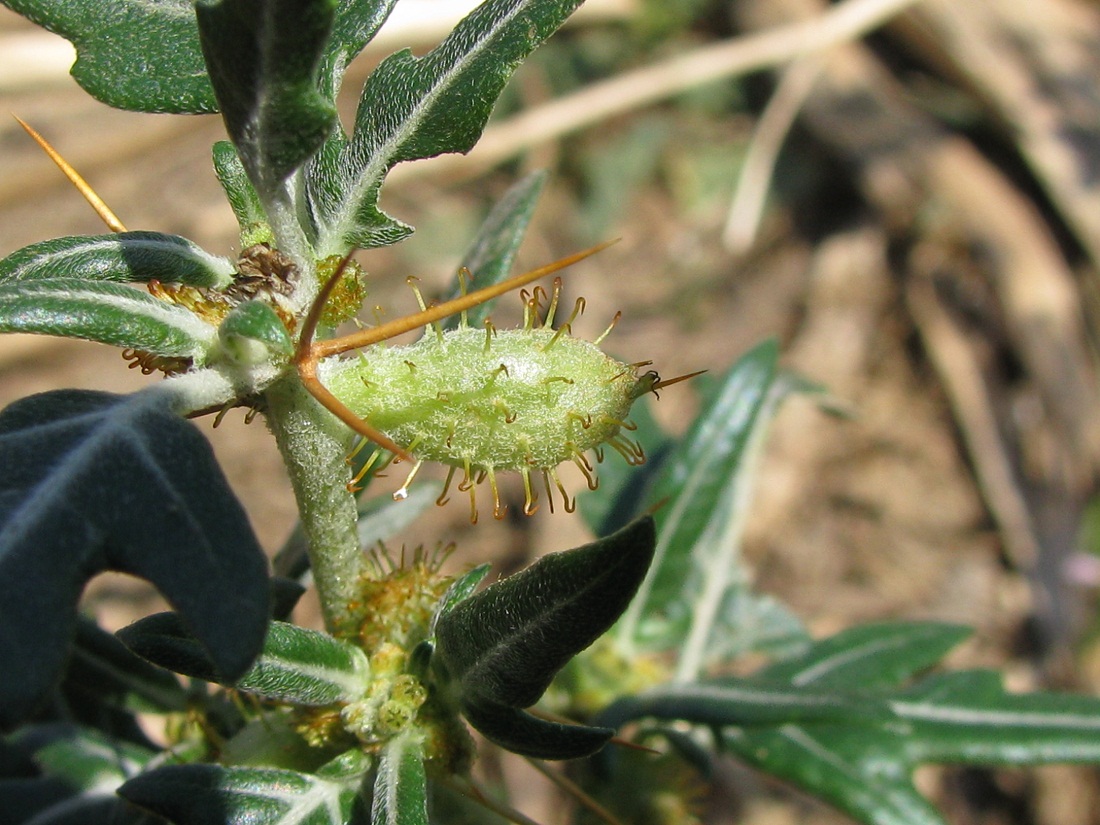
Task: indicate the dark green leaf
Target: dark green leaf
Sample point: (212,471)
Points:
(520,732)
(90,809)
(102,667)
(95,482)
(420,107)
(263,57)
(285,594)
(216,795)
(122,257)
(105,312)
(164,640)
(489,258)
(504,644)
(141,55)
(401,786)
(868,656)
(461,589)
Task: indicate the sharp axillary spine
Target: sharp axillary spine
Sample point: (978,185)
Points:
(483,401)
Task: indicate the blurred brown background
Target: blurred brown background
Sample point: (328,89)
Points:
(915,215)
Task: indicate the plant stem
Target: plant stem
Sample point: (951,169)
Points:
(315,446)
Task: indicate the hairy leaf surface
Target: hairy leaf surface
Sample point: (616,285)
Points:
(121,257)
(141,55)
(297,665)
(93,482)
(401,785)
(106,312)
(419,107)
(263,57)
(504,644)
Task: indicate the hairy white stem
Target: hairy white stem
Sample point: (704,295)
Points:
(315,446)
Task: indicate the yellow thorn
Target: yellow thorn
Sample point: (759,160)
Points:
(398,326)
(82,186)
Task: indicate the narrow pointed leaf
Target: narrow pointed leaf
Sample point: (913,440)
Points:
(420,107)
(121,257)
(489,257)
(703,494)
(868,656)
(141,55)
(241,194)
(93,482)
(520,732)
(504,644)
(216,795)
(263,57)
(401,785)
(739,703)
(90,761)
(106,312)
(968,717)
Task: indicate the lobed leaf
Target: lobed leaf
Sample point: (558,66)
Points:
(120,257)
(356,24)
(500,648)
(106,312)
(419,107)
(217,795)
(141,55)
(93,482)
